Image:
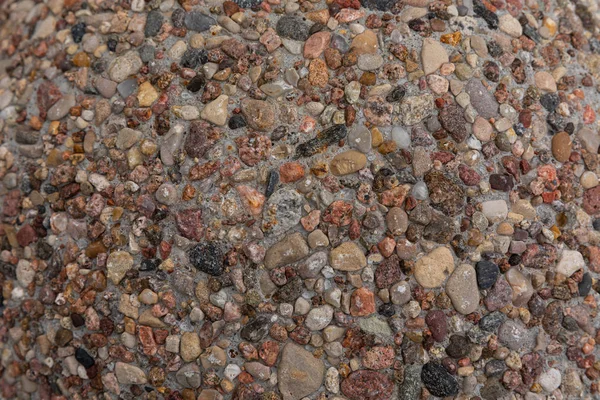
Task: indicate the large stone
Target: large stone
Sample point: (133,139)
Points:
(432,269)
(462,289)
(290,249)
(259,114)
(433,55)
(319,318)
(481,99)
(125,66)
(347,257)
(300,373)
(570,262)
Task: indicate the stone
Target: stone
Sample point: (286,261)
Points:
(319,318)
(550,380)
(359,137)
(348,162)
(397,221)
(369,62)
(198,22)
(61,108)
(290,249)
(154,21)
(515,335)
(415,109)
(494,210)
(124,66)
(316,44)
(462,289)
(561,146)
(545,81)
(292,27)
(190,346)
(259,114)
(487,274)
(445,195)
(207,257)
(282,211)
(365,43)
(367,385)
(453,120)
(129,374)
(146,94)
(216,110)
(510,25)
(299,372)
(570,262)
(522,290)
(433,55)
(432,269)
(362,302)
(117,265)
(127,137)
(347,257)
(482,100)
(438,381)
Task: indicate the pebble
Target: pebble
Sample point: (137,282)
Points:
(300,373)
(433,55)
(561,146)
(216,111)
(348,162)
(432,269)
(347,257)
(462,289)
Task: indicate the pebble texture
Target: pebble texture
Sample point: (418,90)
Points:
(299,200)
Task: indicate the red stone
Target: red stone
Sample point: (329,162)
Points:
(367,385)
(189,223)
(379,357)
(338,213)
(26,235)
(362,302)
(291,172)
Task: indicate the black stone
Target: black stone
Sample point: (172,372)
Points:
(557,122)
(196,83)
(193,58)
(501,182)
(237,121)
(207,257)
(462,10)
(438,381)
(178,18)
(293,28)
(154,22)
(84,358)
(549,101)
(489,17)
(279,133)
(491,322)
(381,5)
(290,291)
(536,305)
(257,329)
(198,22)
(487,274)
(316,27)
(585,285)
(149,265)
(494,49)
(112,44)
(396,95)
(387,310)
(494,368)
(595,224)
(77,320)
(77,31)
(248,3)
(531,33)
(326,138)
(458,347)
(272,182)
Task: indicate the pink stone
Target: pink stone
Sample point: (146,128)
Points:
(316,44)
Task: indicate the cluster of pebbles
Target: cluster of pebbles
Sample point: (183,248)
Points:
(299,199)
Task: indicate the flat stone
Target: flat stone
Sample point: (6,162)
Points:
(481,99)
(570,262)
(562,146)
(198,22)
(365,43)
(299,372)
(494,210)
(545,81)
(316,44)
(432,269)
(259,114)
(319,318)
(290,249)
(129,374)
(510,25)
(61,108)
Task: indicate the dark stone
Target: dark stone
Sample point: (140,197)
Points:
(445,195)
(193,58)
(440,229)
(491,322)
(481,11)
(236,121)
(196,83)
(272,182)
(549,101)
(77,31)
(494,368)
(410,389)
(388,272)
(293,28)
(279,133)
(501,182)
(325,138)
(387,310)
(112,45)
(453,120)
(462,10)
(531,33)
(248,3)
(458,347)
(438,381)
(491,70)
(154,22)
(437,322)
(494,49)
(396,95)
(585,285)
(257,329)
(77,320)
(63,337)
(178,18)
(381,5)
(536,305)
(84,358)
(147,53)
(487,274)
(26,136)
(207,257)
(149,265)
(198,22)
(289,292)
